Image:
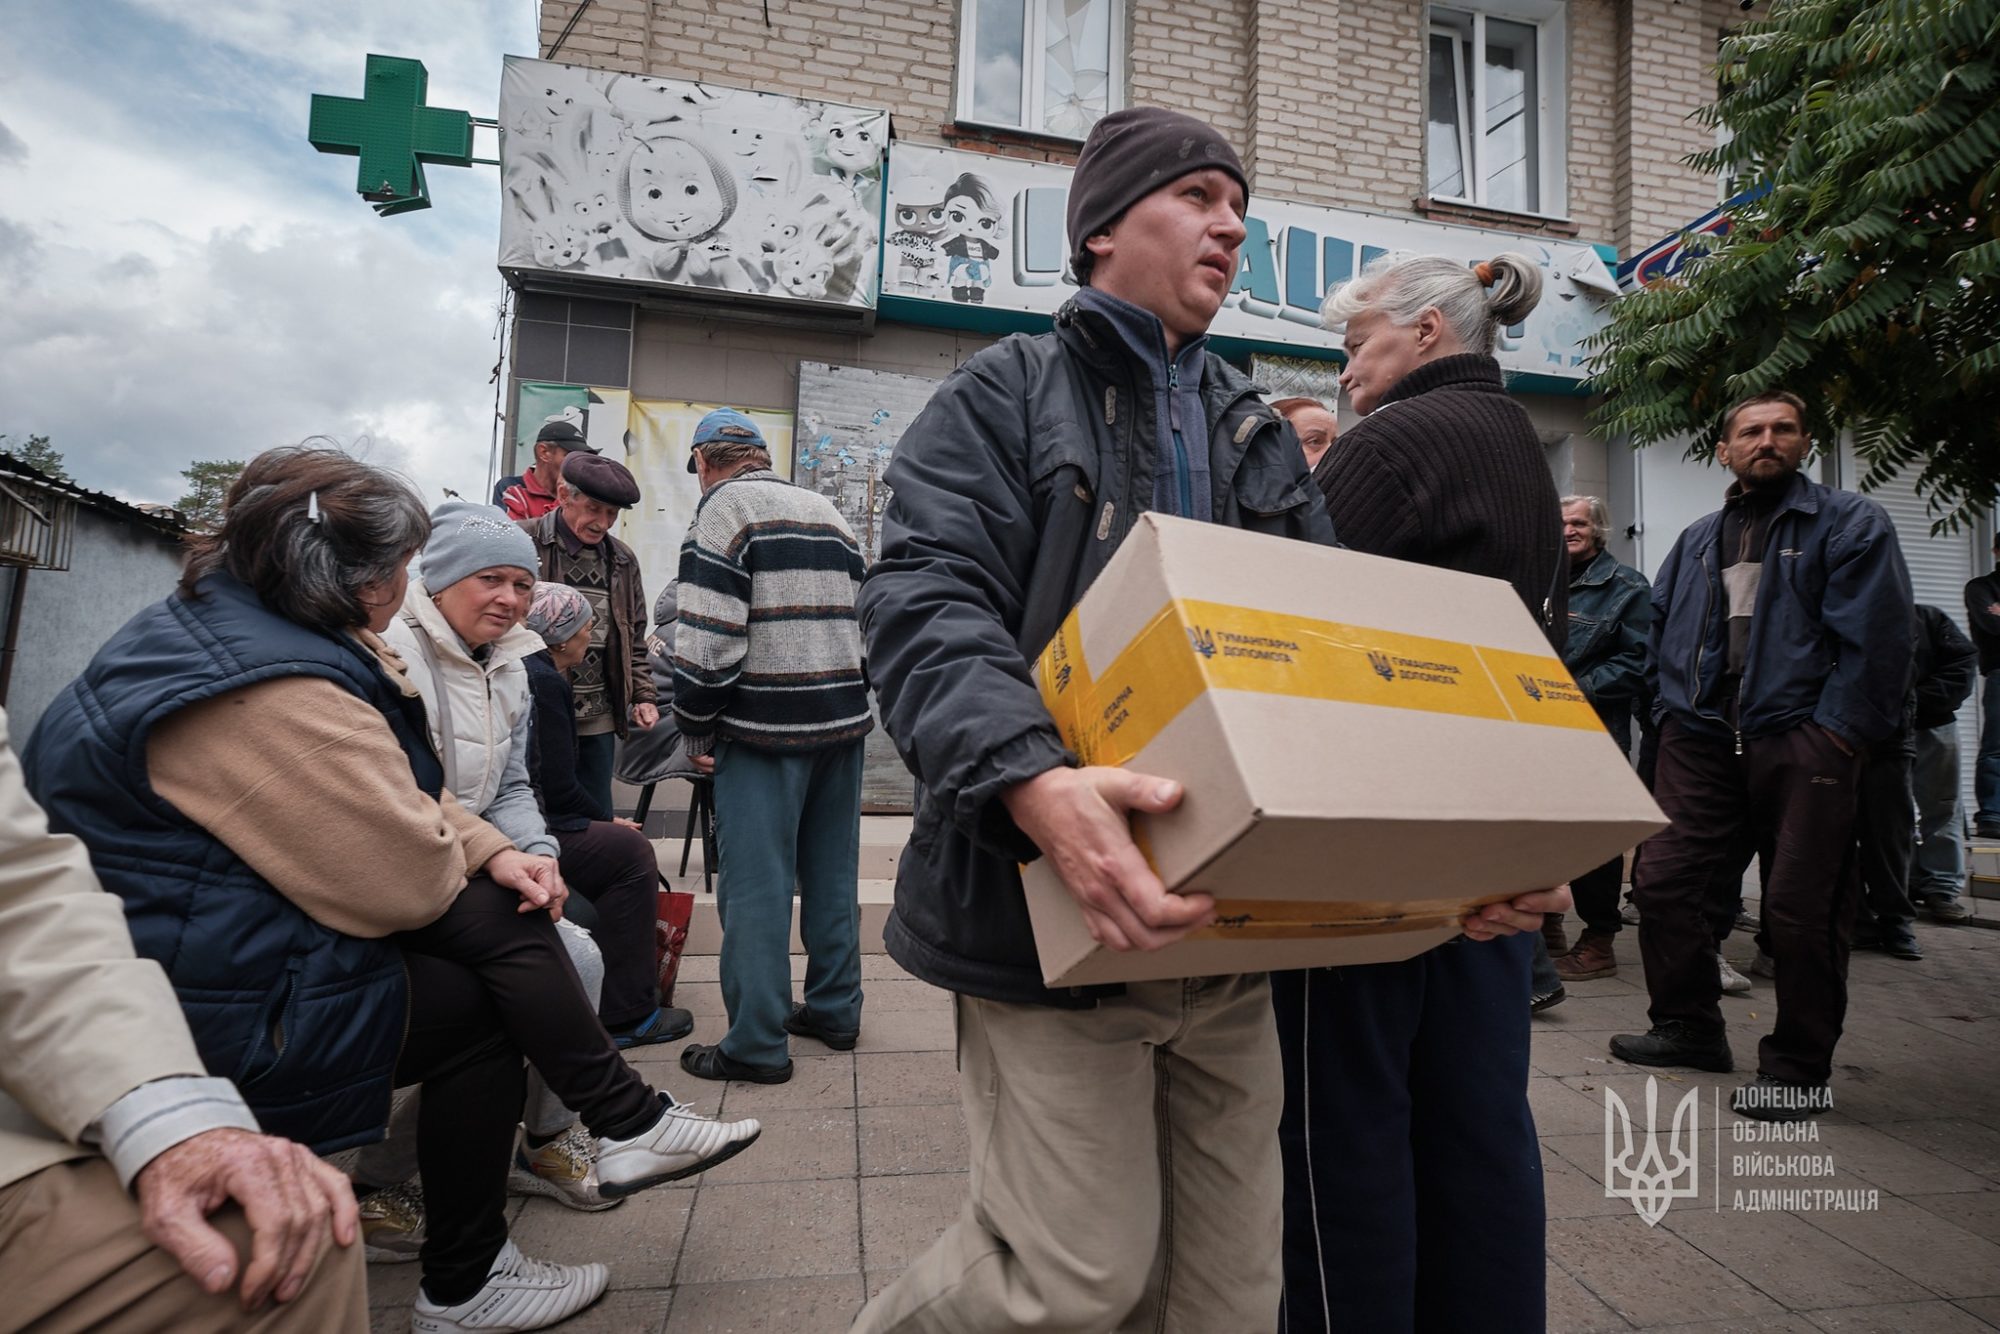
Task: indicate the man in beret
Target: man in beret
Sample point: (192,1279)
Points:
(614,689)
(533,493)
(775,706)
(1124,1139)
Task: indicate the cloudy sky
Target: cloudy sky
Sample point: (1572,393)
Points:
(182,277)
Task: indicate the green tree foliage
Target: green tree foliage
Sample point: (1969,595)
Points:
(37,453)
(1867,278)
(208,482)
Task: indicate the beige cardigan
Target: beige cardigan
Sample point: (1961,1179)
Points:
(303,779)
(83,1021)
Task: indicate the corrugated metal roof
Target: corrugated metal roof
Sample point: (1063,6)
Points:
(163,518)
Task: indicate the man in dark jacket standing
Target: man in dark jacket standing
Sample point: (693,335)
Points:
(1780,652)
(1982,613)
(1123,1139)
(1947,665)
(614,689)
(1610,616)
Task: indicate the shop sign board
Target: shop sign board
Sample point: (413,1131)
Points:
(969,232)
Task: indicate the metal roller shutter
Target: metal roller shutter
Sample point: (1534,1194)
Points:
(1939,569)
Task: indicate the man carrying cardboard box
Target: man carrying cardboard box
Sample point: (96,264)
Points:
(1125,1169)
(1781,650)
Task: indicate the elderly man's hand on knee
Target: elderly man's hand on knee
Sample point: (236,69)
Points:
(292,1200)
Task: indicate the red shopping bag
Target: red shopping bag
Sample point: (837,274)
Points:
(670,933)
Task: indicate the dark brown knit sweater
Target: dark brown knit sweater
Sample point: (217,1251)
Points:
(1448,471)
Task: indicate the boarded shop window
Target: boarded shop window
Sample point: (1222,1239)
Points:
(1044,66)
(1495,133)
(573,340)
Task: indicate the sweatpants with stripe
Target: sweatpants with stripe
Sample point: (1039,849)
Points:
(1413,1177)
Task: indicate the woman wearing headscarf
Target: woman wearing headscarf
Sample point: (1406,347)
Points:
(250,769)
(611,862)
(1413,1179)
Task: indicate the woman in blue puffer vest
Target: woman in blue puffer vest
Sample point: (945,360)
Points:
(249,768)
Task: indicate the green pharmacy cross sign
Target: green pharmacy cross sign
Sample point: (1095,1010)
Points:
(393,133)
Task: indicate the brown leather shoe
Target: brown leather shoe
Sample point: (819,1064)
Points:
(1592,957)
(1553,934)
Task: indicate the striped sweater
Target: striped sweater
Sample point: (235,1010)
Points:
(767,650)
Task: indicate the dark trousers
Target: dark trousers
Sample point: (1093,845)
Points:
(1986,768)
(1596,892)
(1790,799)
(1413,1178)
(596,756)
(473,1080)
(1886,829)
(539,1002)
(614,868)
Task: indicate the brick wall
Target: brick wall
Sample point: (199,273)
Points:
(1195,56)
(1666,72)
(1324,97)
(898,54)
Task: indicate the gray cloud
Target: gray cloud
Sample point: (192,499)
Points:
(233,347)
(173,297)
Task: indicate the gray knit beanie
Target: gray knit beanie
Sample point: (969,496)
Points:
(467,538)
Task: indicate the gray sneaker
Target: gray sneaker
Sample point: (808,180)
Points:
(1947,908)
(1733,982)
(1763,966)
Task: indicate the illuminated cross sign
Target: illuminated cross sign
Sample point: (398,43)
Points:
(393,133)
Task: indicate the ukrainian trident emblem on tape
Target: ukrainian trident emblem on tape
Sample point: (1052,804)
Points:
(1658,1177)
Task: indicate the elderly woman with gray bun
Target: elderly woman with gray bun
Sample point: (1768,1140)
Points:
(1413,1180)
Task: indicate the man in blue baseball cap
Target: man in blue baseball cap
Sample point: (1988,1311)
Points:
(776,709)
(726,425)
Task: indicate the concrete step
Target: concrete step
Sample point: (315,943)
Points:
(882,839)
(705,927)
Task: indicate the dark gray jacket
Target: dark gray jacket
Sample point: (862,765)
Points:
(1010,492)
(1830,639)
(1610,614)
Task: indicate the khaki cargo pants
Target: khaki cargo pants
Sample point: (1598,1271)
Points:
(1125,1171)
(73,1257)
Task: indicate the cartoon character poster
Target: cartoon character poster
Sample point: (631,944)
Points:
(969,230)
(671,183)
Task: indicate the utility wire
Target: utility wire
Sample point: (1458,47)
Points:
(568,28)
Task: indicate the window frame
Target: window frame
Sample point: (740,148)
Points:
(1034,75)
(1549,19)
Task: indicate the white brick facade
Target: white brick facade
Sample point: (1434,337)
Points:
(1323,97)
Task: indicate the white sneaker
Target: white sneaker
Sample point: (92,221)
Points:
(564,1170)
(682,1143)
(519,1294)
(1763,966)
(1733,982)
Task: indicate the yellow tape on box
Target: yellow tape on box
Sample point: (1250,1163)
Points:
(1194,646)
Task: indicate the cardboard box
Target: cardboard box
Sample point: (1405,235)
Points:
(1369,748)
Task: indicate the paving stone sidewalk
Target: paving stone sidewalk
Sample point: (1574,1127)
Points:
(862,1163)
